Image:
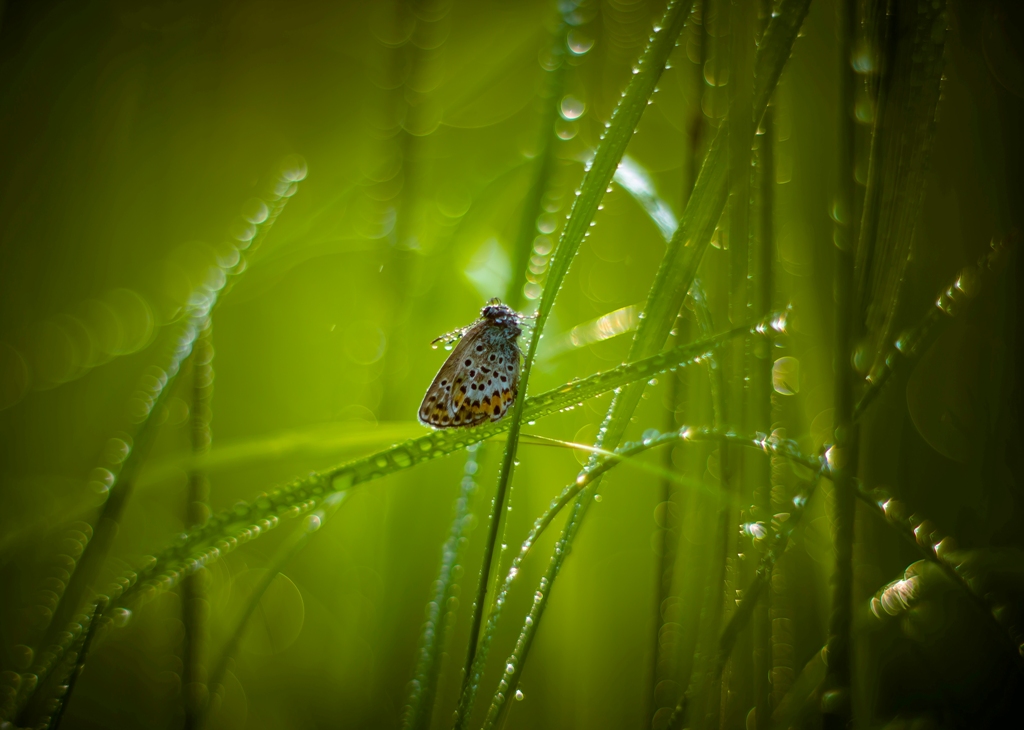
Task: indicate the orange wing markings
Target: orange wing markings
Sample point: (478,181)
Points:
(475,384)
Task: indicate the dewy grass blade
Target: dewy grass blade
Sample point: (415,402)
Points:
(592,189)
(439,618)
(847,317)
(284,556)
(247,521)
(153,389)
(433,640)
(950,303)
(675,275)
(60,702)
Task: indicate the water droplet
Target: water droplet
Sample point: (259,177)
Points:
(121,616)
(519,695)
(571,108)
(578,43)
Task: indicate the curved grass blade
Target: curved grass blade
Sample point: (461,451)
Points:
(437,626)
(933,544)
(78,656)
(905,124)
(846,330)
(761,442)
(224,531)
(196,510)
(227,530)
(950,303)
(592,189)
(433,640)
(673,280)
(132,447)
(654,469)
(306,443)
(285,555)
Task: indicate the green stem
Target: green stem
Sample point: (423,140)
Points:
(153,389)
(592,189)
(951,302)
(675,275)
(284,556)
(89,632)
(836,704)
(196,510)
(437,626)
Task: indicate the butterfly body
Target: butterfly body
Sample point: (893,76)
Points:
(480,379)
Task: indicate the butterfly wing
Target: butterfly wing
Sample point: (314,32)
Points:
(492,385)
(439,406)
(478,382)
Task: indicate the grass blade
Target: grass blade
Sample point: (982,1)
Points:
(196,511)
(845,450)
(224,531)
(284,556)
(592,189)
(950,303)
(437,626)
(673,280)
(79,654)
(153,389)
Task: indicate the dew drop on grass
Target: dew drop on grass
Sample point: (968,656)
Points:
(121,616)
(578,43)
(571,108)
(519,695)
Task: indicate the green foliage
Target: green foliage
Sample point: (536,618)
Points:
(830,538)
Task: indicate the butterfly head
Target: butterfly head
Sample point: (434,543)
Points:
(502,316)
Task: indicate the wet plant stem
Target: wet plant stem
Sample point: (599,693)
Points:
(196,510)
(592,189)
(836,703)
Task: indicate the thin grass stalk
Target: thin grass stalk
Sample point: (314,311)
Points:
(762,284)
(951,302)
(592,189)
(153,389)
(225,531)
(711,601)
(196,511)
(775,545)
(543,166)
(686,434)
(836,704)
(433,640)
(905,125)
(762,397)
(664,577)
(675,275)
(544,521)
(437,627)
(78,656)
(936,546)
(913,526)
(736,681)
(285,554)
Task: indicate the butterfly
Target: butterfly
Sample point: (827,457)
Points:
(480,380)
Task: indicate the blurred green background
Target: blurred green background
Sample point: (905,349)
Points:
(133,134)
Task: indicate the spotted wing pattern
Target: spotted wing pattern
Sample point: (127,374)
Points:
(478,382)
